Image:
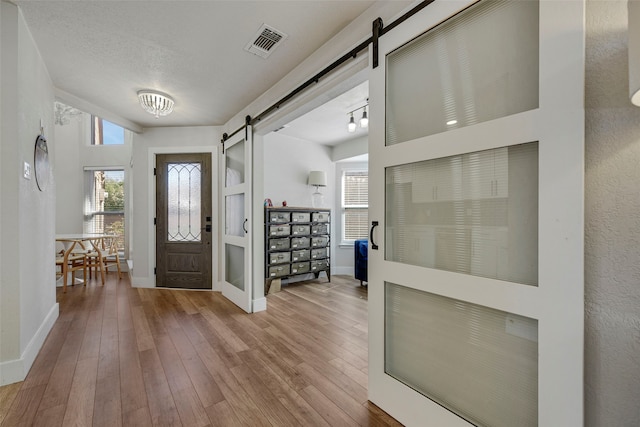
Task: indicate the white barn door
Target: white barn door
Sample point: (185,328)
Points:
(237,269)
(476,152)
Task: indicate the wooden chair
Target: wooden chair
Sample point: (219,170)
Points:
(104,254)
(71,259)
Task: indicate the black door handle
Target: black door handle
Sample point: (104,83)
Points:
(374,224)
(207,228)
(244,225)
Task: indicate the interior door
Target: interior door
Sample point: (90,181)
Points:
(237,195)
(476,204)
(183,220)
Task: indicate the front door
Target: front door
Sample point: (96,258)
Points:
(183,220)
(476,153)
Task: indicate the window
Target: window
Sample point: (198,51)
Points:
(355,205)
(105,133)
(104,203)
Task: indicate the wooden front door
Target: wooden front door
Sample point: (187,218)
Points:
(183,220)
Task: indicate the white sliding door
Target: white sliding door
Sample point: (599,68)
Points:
(237,198)
(476,202)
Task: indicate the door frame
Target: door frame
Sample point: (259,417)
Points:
(151,193)
(345,78)
(197,248)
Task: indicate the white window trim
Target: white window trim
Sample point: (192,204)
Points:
(341,168)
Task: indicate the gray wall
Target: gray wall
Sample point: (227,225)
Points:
(28,305)
(152,140)
(612,232)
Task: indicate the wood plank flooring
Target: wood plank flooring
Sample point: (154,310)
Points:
(121,356)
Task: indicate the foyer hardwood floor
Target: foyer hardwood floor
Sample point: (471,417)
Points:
(139,357)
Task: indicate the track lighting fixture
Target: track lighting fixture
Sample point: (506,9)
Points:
(351,127)
(364,121)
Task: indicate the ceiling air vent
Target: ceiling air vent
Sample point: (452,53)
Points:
(265,41)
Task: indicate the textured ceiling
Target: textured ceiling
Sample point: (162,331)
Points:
(105,51)
(327,124)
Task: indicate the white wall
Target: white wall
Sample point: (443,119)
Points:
(145,145)
(612,234)
(344,257)
(74,152)
(287,162)
(28,305)
(348,149)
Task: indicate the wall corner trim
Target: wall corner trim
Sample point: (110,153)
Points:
(259,304)
(142,282)
(16,370)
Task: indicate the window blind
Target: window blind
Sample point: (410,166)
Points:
(355,203)
(479,362)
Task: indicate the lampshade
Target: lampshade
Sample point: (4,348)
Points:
(634,51)
(318,178)
(156,103)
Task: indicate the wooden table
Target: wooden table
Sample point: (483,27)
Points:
(95,239)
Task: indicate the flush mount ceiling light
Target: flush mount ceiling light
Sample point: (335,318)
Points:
(156,103)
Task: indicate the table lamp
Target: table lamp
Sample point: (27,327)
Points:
(318,179)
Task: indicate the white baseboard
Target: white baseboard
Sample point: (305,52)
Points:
(343,271)
(13,371)
(142,282)
(259,304)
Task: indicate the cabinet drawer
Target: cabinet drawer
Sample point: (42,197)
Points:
(280,270)
(319,253)
(278,244)
(319,242)
(303,255)
(300,217)
(320,217)
(320,265)
(279,230)
(300,267)
(300,242)
(320,229)
(279,217)
(300,230)
(279,257)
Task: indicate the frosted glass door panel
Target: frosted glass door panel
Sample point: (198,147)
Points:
(234,265)
(234,215)
(184,183)
(234,156)
(480,363)
(475,213)
(481,66)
